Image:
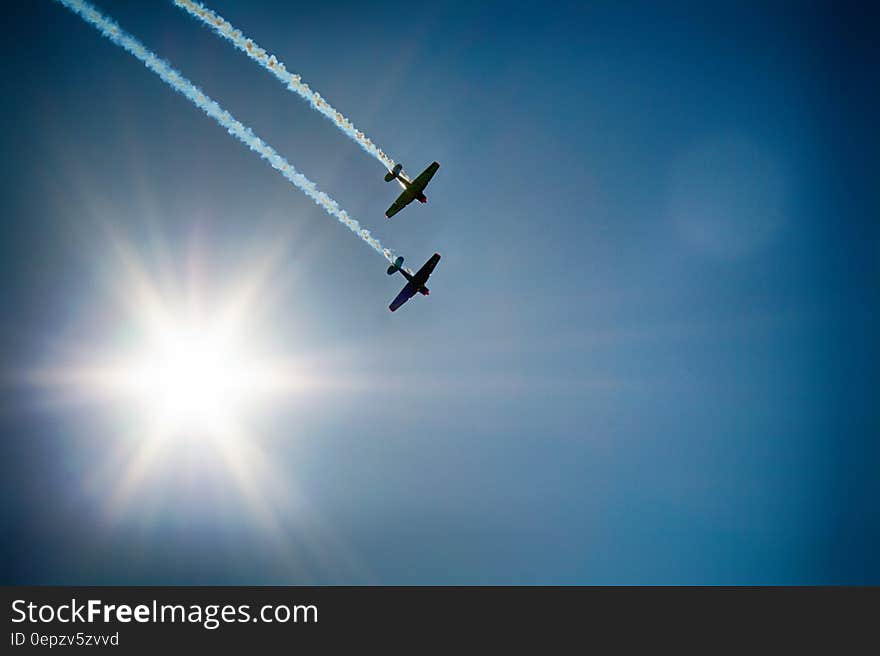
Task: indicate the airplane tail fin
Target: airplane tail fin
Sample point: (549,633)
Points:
(394,268)
(393,173)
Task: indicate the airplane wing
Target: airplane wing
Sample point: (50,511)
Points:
(425,177)
(405,294)
(397,205)
(428,267)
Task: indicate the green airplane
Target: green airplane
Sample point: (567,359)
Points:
(412,189)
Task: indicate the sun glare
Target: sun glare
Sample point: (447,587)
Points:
(192,380)
(185,372)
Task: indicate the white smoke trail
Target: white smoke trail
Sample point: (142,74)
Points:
(110,29)
(291,80)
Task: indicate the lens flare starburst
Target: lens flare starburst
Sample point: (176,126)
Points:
(185,374)
(194,378)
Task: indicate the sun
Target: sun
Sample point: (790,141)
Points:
(183,370)
(191,365)
(195,378)
(190,354)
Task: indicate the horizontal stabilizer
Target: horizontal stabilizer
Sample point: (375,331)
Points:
(393,173)
(394,268)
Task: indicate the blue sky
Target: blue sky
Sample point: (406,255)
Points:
(649,354)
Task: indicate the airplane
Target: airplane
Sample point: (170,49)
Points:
(412,190)
(415,282)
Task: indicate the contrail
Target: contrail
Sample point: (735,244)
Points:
(291,80)
(110,29)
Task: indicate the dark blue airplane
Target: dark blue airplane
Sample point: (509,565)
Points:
(415,282)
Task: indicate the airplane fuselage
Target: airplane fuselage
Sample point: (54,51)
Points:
(417,281)
(410,194)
